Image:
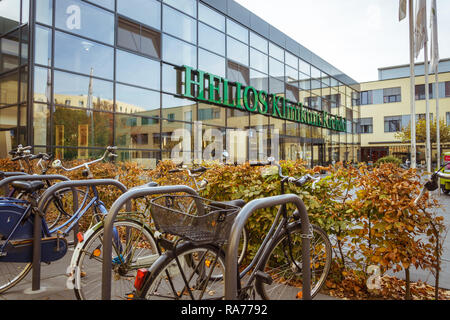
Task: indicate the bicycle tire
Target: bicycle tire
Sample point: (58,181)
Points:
(19,271)
(88,274)
(287,282)
(165,280)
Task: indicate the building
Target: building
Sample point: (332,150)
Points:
(386,109)
(78,75)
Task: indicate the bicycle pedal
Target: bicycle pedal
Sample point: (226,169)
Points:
(264,277)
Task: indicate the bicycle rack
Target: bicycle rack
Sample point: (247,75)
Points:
(133,193)
(231,256)
(7,174)
(42,201)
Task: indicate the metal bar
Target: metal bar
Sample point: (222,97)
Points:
(231,256)
(11,174)
(125,198)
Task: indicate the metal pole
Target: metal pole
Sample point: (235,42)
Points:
(231,268)
(412,85)
(427,103)
(438,129)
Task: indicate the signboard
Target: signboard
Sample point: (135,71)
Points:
(208,88)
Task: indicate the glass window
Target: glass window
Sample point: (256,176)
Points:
(315,73)
(420,91)
(366,97)
(211,63)
(137,38)
(276,68)
(171,79)
(41,124)
(259,81)
(76,91)
(447,88)
(179,52)
(238,73)
(259,61)
(9,15)
(292,76)
(276,86)
(276,52)
(137,101)
(137,132)
(85,19)
(78,128)
(392,124)
(137,70)
(392,95)
(42,84)
(44,11)
(237,31)
(447,116)
(291,60)
(8,118)
(108,4)
(9,88)
(237,51)
(258,42)
(9,52)
(179,25)
(145,11)
(211,39)
(365,125)
(304,67)
(88,57)
(43,46)
(187,6)
(211,17)
(174,108)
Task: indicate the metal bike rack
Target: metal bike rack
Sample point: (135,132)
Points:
(36,272)
(133,193)
(46,196)
(231,256)
(11,174)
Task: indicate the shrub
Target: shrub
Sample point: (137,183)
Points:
(389,159)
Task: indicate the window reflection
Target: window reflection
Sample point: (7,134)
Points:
(210,62)
(9,15)
(44,11)
(83,56)
(84,92)
(137,101)
(43,47)
(41,124)
(81,128)
(237,51)
(237,31)
(179,25)
(258,42)
(9,54)
(174,108)
(211,39)
(172,78)
(137,38)
(85,19)
(276,52)
(276,68)
(9,88)
(187,6)
(145,11)
(134,69)
(211,17)
(258,60)
(179,52)
(8,118)
(137,132)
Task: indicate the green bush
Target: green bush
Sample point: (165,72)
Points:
(389,159)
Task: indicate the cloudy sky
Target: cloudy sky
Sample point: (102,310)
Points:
(356,36)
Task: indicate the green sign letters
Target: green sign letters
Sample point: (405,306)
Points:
(209,88)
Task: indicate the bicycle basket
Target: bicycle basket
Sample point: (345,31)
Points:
(178,215)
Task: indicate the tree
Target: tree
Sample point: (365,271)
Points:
(421,133)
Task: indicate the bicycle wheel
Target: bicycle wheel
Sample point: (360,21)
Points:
(136,249)
(59,207)
(12,273)
(191,277)
(286,273)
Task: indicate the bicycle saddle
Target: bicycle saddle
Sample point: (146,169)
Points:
(237,203)
(2,175)
(28,187)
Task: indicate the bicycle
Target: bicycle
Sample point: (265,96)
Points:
(193,174)
(16,237)
(433,183)
(281,248)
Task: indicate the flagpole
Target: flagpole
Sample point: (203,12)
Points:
(427,103)
(412,84)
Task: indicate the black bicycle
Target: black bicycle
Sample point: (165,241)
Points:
(194,268)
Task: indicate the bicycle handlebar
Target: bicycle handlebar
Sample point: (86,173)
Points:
(109,152)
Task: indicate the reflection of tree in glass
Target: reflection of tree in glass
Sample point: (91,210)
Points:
(71,119)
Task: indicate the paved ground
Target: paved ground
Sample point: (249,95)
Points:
(425,275)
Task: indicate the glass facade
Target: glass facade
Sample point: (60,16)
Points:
(107,72)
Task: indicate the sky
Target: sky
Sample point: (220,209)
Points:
(355,36)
